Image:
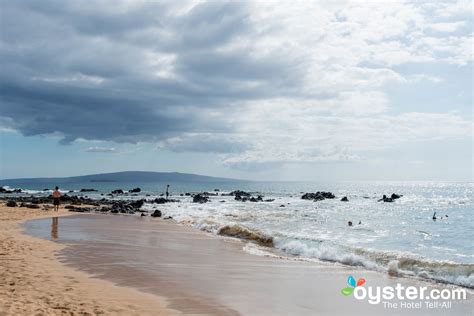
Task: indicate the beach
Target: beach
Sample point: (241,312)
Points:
(147,266)
(34,282)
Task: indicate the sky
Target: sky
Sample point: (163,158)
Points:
(260,90)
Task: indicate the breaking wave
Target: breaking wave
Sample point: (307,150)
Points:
(246,234)
(396,264)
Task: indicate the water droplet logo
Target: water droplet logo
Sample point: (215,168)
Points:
(353,284)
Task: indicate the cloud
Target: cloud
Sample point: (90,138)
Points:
(261,82)
(101,150)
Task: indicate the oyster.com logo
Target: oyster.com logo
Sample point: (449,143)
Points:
(405,297)
(353,284)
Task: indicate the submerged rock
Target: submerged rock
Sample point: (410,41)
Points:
(88,190)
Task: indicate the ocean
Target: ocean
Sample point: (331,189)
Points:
(399,238)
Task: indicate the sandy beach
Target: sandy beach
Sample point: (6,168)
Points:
(34,282)
(146,266)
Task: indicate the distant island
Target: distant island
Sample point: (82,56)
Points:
(126,176)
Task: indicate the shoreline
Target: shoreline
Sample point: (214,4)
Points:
(33,280)
(185,259)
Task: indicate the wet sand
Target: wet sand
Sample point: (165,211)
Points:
(199,273)
(34,282)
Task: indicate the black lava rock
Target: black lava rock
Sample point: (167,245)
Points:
(200,198)
(11,204)
(156,213)
(318,196)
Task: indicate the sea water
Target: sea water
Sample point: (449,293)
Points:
(399,238)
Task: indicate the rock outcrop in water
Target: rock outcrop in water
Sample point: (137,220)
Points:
(395,196)
(243,196)
(345,199)
(200,198)
(163,201)
(118,191)
(136,190)
(3,190)
(88,190)
(392,198)
(318,196)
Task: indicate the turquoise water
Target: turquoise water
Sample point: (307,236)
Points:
(399,238)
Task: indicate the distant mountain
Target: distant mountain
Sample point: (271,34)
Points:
(126,176)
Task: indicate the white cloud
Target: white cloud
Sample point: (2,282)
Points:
(97,149)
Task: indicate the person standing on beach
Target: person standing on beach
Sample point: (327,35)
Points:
(167,191)
(56,196)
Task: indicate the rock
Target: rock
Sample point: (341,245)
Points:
(257,199)
(385,199)
(395,196)
(32,206)
(156,213)
(3,190)
(199,198)
(282,205)
(11,204)
(318,196)
(269,200)
(216,190)
(69,207)
(136,190)
(167,217)
(209,194)
(118,191)
(240,193)
(163,201)
(45,189)
(345,199)
(137,203)
(88,190)
(143,214)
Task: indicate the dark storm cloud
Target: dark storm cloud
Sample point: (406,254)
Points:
(83,70)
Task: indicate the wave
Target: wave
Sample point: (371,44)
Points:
(241,232)
(396,264)
(393,263)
